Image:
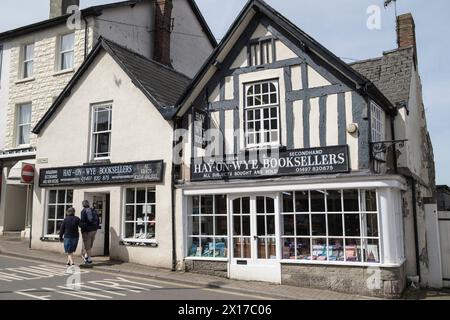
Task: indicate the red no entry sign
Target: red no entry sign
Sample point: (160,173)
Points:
(27,173)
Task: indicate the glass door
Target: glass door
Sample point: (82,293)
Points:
(254,229)
(255,254)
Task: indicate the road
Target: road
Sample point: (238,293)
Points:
(24,279)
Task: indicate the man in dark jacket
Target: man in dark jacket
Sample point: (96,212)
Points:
(69,233)
(89,226)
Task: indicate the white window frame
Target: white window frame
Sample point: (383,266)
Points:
(378,123)
(62,52)
(94,133)
(148,188)
(263,143)
(363,237)
(200,236)
(20,125)
(25,62)
(56,204)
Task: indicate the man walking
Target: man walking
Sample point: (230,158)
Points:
(89,226)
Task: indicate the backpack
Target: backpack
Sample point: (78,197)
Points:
(92,219)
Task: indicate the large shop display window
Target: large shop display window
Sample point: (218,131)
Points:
(57,204)
(140,214)
(331,225)
(208,227)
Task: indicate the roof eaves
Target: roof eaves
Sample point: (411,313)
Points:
(87,12)
(132,76)
(204,68)
(68,88)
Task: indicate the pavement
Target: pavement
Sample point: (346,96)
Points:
(18,248)
(27,279)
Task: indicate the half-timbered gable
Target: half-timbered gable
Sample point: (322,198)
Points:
(271,85)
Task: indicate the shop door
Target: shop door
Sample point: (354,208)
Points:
(255,253)
(100,202)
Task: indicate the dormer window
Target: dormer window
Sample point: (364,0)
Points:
(261,52)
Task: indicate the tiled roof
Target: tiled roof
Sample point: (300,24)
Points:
(164,84)
(391,73)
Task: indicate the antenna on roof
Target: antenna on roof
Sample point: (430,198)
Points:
(387,3)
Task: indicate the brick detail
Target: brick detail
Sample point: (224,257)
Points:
(406,31)
(163,29)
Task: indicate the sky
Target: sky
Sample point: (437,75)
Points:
(341,26)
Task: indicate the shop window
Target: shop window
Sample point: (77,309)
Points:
(139,214)
(208,227)
(331,225)
(262,114)
(27,61)
(57,204)
(23,129)
(261,52)
(66,51)
(101,132)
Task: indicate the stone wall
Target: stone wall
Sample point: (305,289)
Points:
(347,279)
(47,83)
(214,268)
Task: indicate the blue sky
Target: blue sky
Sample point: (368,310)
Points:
(340,25)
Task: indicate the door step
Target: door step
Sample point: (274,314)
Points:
(12,234)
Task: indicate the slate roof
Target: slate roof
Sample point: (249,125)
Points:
(162,85)
(391,73)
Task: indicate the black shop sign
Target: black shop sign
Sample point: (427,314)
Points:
(312,161)
(136,172)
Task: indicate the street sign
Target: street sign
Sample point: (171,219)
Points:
(27,175)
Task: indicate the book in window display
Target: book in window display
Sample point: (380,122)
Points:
(372,253)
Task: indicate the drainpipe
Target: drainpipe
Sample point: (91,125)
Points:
(393,146)
(416,232)
(86,34)
(174,248)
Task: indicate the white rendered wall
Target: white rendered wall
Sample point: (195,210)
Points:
(131,27)
(64,141)
(190,46)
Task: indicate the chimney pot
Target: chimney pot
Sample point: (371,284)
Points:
(59,7)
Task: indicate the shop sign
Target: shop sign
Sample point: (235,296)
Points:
(135,172)
(200,127)
(312,161)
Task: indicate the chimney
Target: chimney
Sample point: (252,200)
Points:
(59,7)
(406,31)
(163,29)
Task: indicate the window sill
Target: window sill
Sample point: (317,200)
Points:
(137,243)
(206,259)
(24,80)
(61,72)
(49,239)
(99,161)
(336,263)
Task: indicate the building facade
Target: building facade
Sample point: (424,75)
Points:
(97,142)
(292,164)
(39,61)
